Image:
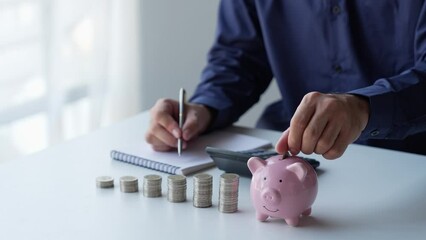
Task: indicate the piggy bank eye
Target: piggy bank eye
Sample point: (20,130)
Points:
(264,178)
(281,180)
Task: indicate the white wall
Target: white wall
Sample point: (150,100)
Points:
(176,36)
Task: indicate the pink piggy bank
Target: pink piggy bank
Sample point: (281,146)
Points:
(282,188)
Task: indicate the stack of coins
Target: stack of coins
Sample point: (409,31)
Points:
(203,186)
(152,186)
(129,184)
(104,182)
(176,188)
(228,192)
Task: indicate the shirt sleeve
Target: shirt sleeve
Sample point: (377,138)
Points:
(238,71)
(398,103)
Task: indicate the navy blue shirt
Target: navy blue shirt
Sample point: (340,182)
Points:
(372,48)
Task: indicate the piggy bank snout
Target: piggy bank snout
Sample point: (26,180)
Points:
(271,196)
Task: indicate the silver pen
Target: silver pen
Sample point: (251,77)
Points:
(181,117)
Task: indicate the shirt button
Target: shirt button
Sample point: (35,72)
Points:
(336,9)
(337,68)
(375,133)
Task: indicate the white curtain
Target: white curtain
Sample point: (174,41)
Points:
(124,82)
(74,64)
(101,51)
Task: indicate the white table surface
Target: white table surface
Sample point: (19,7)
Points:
(368,193)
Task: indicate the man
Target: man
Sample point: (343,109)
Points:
(347,71)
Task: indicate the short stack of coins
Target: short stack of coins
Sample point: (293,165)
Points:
(176,191)
(203,188)
(104,182)
(228,192)
(152,186)
(129,184)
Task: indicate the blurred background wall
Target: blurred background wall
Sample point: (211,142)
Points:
(68,67)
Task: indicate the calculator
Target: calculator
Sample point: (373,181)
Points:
(236,161)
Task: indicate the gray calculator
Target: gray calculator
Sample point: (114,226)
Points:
(236,161)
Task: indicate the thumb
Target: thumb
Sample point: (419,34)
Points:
(282,144)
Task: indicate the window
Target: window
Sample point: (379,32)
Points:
(55,69)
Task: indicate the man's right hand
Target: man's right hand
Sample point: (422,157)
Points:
(163,132)
(325,124)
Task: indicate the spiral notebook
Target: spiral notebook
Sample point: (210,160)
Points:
(193,159)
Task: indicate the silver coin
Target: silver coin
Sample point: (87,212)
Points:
(152,185)
(104,182)
(176,191)
(129,184)
(228,193)
(152,177)
(203,188)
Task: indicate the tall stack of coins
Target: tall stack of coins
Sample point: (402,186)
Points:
(129,184)
(104,182)
(176,191)
(203,186)
(228,192)
(152,185)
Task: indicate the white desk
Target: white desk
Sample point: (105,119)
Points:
(367,194)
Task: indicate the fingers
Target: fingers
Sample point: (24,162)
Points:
(160,138)
(328,138)
(164,113)
(164,131)
(299,122)
(191,125)
(159,145)
(326,124)
(282,145)
(313,132)
(338,148)
(197,120)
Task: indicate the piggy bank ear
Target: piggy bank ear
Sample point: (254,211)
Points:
(299,170)
(255,163)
